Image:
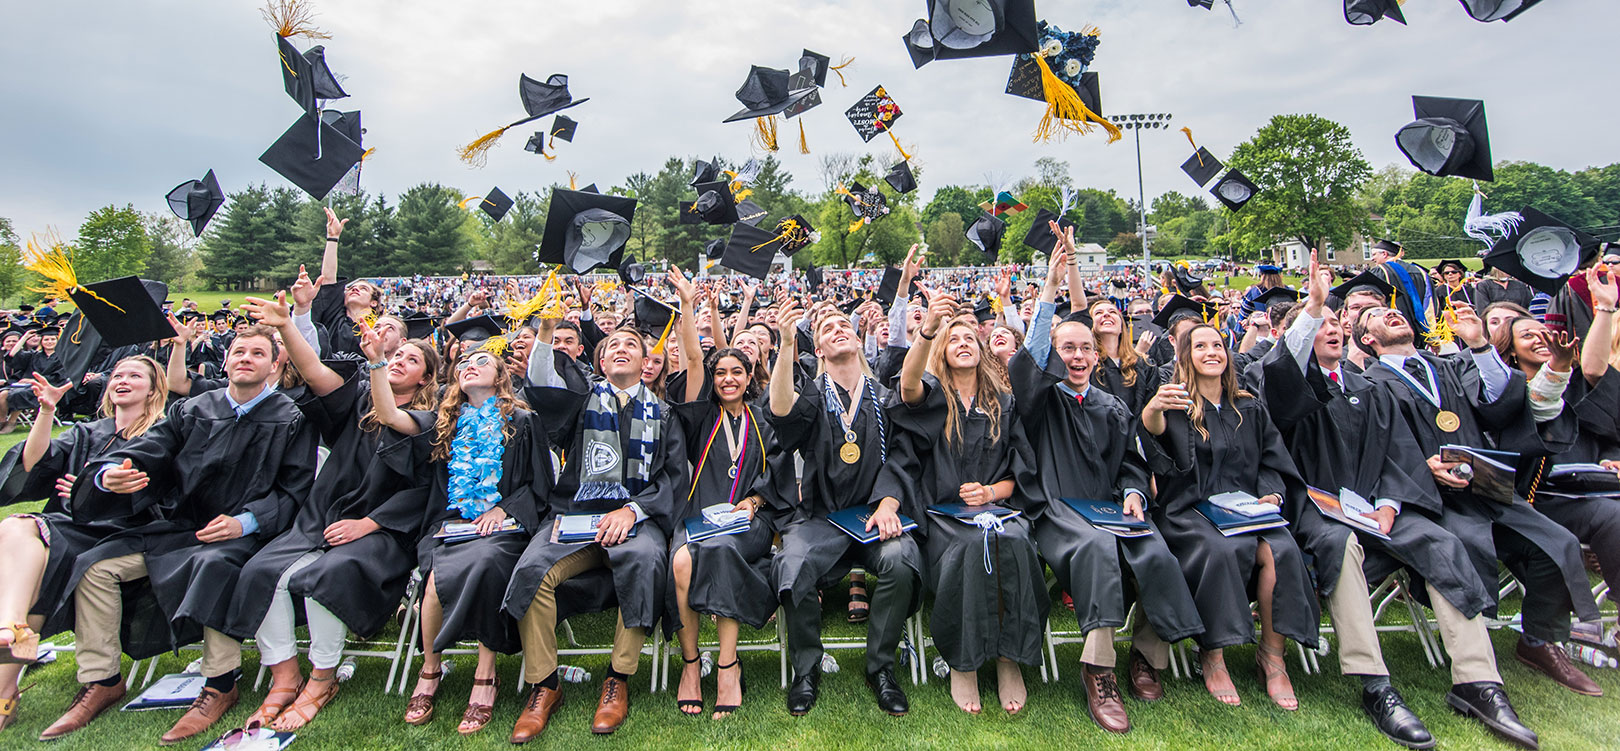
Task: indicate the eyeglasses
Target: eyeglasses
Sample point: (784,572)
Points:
(478,360)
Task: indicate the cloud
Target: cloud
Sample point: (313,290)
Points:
(116,102)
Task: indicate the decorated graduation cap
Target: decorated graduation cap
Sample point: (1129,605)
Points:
(1542,251)
(867,203)
(972,28)
(749,212)
(196,201)
(495,203)
(1234,190)
(985,233)
(1448,138)
(314,159)
(766,93)
(540,98)
(715,204)
(1056,73)
(876,113)
(1369,12)
(1496,10)
(1180,307)
(585,230)
(900,177)
(1004,204)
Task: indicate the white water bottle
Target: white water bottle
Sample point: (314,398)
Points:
(940,668)
(1593,634)
(345,670)
(828,663)
(573,673)
(705,664)
(1591,656)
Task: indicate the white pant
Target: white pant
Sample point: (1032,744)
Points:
(278,640)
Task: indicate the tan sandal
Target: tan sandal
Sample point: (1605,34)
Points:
(419,711)
(304,709)
(478,715)
(24,647)
(1227,696)
(8,710)
(1273,666)
(271,708)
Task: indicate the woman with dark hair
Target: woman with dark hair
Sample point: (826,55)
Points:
(1210,436)
(726,576)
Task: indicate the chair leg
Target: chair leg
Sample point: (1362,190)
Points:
(781,645)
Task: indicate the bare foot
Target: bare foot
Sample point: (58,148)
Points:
(965,691)
(1010,685)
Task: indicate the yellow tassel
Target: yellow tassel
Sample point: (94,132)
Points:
(839,69)
(48,258)
(465,202)
(995,305)
(897,146)
(741,194)
(495,345)
(765,132)
(663,338)
(476,154)
(804,144)
(368,153)
(292,18)
(1196,153)
(546,300)
(856,226)
(1065,111)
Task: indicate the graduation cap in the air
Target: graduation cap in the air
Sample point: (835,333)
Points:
(654,318)
(1205,4)
(972,28)
(306,76)
(813,277)
(1366,281)
(749,212)
(889,287)
(985,234)
(562,127)
(1496,10)
(1448,137)
(540,98)
(705,172)
(900,178)
(873,114)
(868,204)
(715,248)
(714,205)
(124,311)
(1202,166)
(585,230)
(495,203)
(795,233)
(631,272)
(1185,280)
(347,123)
(196,201)
(766,92)
(1004,204)
(1234,190)
(1369,12)
(314,166)
(474,329)
(1040,235)
(1180,307)
(1061,79)
(750,250)
(1542,251)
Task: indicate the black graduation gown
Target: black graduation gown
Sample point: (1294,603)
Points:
(1354,437)
(1244,452)
(1595,520)
(204,461)
(365,475)
(1481,524)
(1089,451)
(978,615)
(75,544)
(638,567)
(1108,377)
(731,574)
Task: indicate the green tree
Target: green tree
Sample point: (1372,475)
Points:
(1174,205)
(173,259)
(513,241)
(241,243)
(955,199)
(1308,173)
(11,270)
(112,243)
(428,235)
(946,240)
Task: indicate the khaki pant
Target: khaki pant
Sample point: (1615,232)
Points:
(539,625)
(1467,642)
(1099,650)
(99,613)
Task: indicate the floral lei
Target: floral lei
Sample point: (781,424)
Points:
(475,459)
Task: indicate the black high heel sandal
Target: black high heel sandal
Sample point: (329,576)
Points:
(682,704)
(742,686)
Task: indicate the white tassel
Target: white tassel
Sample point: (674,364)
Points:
(1489,228)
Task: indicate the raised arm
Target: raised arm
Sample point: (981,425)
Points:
(1077,289)
(742,315)
(329,257)
(691,351)
(1599,342)
(39,436)
(716,329)
(321,379)
(178,377)
(382,392)
(940,308)
(783,393)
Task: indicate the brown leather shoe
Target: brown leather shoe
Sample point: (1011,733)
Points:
(1551,661)
(1144,683)
(205,711)
(537,711)
(613,708)
(92,700)
(1103,700)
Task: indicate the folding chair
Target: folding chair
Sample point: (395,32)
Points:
(777,645)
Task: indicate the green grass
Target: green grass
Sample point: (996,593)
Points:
(362,717)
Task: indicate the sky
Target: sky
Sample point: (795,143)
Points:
(117,101)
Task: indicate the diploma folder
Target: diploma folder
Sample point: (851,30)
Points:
(1332,508)
(1493,470)
(1231,523)
(699,529)
(172,691)
(576,528)
(1109,517)
(453,532)
(964,513)
(853,521)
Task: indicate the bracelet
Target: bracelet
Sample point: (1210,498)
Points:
(925,336)
(1481,349)
(331,238)
(375,366)
(1603,309)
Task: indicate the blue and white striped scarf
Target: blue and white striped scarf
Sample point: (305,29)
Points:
(604,474)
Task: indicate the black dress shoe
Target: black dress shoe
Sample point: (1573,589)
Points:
(801,695)
(1488,703)
(890,697)
(1391,716)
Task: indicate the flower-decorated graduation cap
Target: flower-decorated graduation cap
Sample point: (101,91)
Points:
(196,201)
(585,230)
(1542,251)
(1057,74)
(867,203)
(1448,138)
(876,113)
(972,28)
(1369,12)
(540,98)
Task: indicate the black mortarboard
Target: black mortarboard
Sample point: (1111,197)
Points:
(495,204)
(1181,307)
(1025,80)
(540,98)
(220,315)
(124,311)
(655,318)
(812,276)
(1441,266)
(537,143)
(1369,12)
(705,172)
(1276,295)
(631,272)
(585,230)
(294,156)
(985,234)
(714,205)
(1447,138)
(750,250)
(1062,307)
(347,123)
(983,311)
(420,327)
(715,248)
(1388,246)
(1496,10)
(563,127)
(873,114)
(972,28)
(890,286)
(1185,279)
(900,178)
(1205,4)
(749,212)
(1202,167)
(306,76)
(474,329)
(196,201)
(187,316)
(1040,235)
(795,233)
(1234,190)
(813,67)
(1542,251)
(1366,281)
(766,92)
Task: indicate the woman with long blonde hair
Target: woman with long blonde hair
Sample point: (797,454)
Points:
(45,554)
(1209,436)
(1122,369)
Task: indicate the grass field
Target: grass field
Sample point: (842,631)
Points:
(363,717)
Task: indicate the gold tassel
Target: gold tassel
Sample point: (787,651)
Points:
(765,132)
(368,153)
(995,305)
(663,338)
(546,300)
(739,195)
(476,154)
(804,144)
(839,69)
(48,258)
(897,146)
(573,181)
(292,18)
(855,227)
(1065,111)
(467,201)
(1196,152)
(495,345)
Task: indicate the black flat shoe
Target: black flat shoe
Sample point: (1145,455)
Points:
(683,704)
(1394,719)
(1488,703)
(801,695)
(886,688)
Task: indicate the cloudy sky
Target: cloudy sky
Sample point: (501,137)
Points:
(116,101)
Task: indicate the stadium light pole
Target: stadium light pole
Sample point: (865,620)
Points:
(1138,123)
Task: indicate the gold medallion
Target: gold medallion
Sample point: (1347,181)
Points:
(1447,421)
(850,453)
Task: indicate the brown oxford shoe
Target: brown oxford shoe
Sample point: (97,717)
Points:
(1144,679)
(1104,701)
(613,707)
(537,711)
(205,711)
(92,700)
(1548,659)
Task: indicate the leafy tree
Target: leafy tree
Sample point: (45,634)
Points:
(1308,173)
(513,241)
(955,199)
(1174,205)
(429,239)
(173,259)
(237,248)
(946,240)
(112,243)
(11,271)
(1103,215)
